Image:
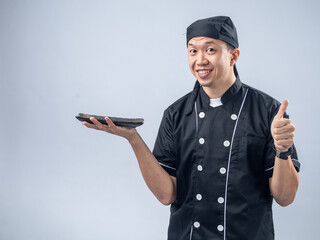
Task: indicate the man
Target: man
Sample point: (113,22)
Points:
(223,151)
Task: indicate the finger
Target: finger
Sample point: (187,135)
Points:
(283,122)
(281,148)
(283,130)
(98,124)
(285,143)
(288,135)
(282,109)
(89,125)
(110,123)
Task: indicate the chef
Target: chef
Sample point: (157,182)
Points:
(223,152)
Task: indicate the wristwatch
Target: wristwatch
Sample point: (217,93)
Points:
(284,155)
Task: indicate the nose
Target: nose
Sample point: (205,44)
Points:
(202,59)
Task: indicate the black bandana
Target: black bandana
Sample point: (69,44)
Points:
(220,27)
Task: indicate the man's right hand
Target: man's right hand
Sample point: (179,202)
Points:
(161,184)
(127,133)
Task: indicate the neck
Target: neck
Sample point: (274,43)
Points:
(217,90)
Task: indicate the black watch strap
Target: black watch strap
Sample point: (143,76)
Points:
(284,155)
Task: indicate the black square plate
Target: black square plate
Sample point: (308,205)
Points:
(123,122)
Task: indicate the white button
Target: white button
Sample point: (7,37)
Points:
(223,170)
(196,224)
(202,114)
(220,228)
(201,141)
(226,143)
(234,117)
(199,197)
(220,200)
(200,168)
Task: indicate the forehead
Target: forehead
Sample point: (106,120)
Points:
(201,40)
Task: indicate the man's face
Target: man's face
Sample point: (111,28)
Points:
(210,61)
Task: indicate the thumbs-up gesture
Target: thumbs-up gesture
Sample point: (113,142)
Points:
(282,129)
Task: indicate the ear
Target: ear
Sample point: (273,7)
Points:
(235,53)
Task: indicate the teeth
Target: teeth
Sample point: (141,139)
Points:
(203,71)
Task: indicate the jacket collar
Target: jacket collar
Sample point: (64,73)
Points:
(205,101)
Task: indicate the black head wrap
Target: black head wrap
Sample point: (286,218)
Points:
(220,27)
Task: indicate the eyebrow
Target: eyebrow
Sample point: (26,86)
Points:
(208,42)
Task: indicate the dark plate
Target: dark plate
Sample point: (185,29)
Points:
(123,122)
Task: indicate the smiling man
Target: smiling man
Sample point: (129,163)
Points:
(223,152)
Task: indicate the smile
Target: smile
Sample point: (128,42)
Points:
(203,73)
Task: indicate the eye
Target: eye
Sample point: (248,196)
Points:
(193,51)
(211,50)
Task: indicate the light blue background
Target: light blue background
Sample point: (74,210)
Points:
(59,180)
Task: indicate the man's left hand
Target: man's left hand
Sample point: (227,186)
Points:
(282,129)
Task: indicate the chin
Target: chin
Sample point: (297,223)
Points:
(206,83)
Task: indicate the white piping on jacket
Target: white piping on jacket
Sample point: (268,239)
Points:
(191,232)
(166,166)
(228,169)
(196,111)
(195,108)
(268,169)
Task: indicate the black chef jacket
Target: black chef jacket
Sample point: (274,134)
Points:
(222,159)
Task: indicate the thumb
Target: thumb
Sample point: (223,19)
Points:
(282,109)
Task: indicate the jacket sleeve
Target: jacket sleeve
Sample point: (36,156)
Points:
(164,149)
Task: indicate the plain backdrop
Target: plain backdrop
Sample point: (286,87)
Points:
(60,180)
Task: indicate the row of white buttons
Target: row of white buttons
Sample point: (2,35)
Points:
(226,143)
(197,225)
(199,198)
(222,170)
(233,116)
